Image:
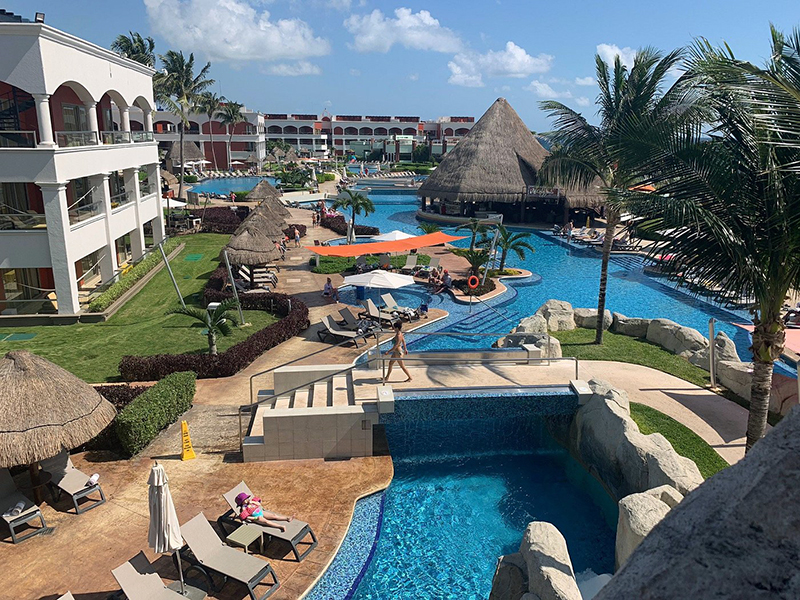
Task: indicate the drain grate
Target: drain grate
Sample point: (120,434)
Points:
(19,337)
(193,257)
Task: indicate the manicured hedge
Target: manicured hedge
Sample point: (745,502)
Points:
(338,264)
(461,285)
(338,224)
(289,231)
(323,177)
(294,319)
(126,281)
(140,422)
(190,178)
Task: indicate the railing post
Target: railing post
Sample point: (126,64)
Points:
(712,354)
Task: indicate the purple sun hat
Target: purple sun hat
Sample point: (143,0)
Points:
(240,499)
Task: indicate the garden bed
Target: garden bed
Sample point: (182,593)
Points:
(337,264)
(338,224)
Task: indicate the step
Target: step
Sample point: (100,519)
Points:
(302,398)
(282,402)
(341,391)
(258,423)
(320,396)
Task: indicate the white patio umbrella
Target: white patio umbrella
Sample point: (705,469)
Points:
(164,534)
(236,162)
(379,279)
(392,236)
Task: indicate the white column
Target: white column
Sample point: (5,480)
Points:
(154,177)
(137,234)
(125,116)
(62,260)
(43,116)
(108,259)
(91,112)
(148,120)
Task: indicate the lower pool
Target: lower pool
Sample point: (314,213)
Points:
(226,185)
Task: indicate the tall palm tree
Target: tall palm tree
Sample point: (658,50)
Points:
(218,322)
(730,191)
(210,105)
(476,259)
(357,203)
(180,89)
(512,242)
(229,115)
(582,151)
(135,47)
(427,228)
(475,227)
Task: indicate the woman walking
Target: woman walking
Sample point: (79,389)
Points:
(399,349)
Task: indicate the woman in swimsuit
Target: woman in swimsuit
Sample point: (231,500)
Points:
(397,352)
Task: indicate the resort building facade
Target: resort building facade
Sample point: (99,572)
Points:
(79,188)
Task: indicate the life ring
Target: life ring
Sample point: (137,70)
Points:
(473,282)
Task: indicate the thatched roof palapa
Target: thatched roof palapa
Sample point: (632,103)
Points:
(278,153)
(251,245)
(269,197)
(190,152)
(268,224)
(45,409)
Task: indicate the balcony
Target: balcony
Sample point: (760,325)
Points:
(74,139)
(17,139)
(20,221)
(142,136)
(121,199)
(83,212)
(115,137)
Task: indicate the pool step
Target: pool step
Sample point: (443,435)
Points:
(337,390)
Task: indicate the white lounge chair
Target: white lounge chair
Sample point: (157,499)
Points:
(66,478)
(138,580)
(17,510)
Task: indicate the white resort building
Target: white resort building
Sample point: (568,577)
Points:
(79,190)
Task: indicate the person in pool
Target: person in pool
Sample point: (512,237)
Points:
(250,510)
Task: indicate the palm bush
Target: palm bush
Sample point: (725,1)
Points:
(210,105)
(427,228)
(218,321)
(135,47)
(475,227)
(508,241)
(230,114)
(356,203)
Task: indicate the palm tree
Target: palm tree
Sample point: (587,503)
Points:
(357,203)
(427,228)
(210,104)
(229,115)
(475,227)
(582,154)
(512,242)
(135,47)
(218,322)
(730,192)
(476,259)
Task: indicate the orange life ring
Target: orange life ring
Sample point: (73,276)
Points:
(473,282)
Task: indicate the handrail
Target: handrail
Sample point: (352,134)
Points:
(492,308)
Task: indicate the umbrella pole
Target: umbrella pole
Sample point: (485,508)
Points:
(180,572)
(33,470)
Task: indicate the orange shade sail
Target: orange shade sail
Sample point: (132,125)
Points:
(412,243)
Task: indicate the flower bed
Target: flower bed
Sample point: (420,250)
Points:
(461,286)
(289,231)
(221,219)
(338,224)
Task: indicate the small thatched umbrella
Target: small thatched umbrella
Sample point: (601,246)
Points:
(251,245)
(269,199)
(191,152)
(271,226)
(278,153)
(45,409)
(291,156)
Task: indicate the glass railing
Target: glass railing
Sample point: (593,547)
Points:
(121,199)
(22,221)
(81,212)
(17,139)
(71,139)
(144,188)
(115,137)
(142,136)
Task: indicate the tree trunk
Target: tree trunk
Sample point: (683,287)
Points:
(180,150)
(768,341)
(211,138)
(611,225)
(503,259)
(353,227)
(212,343)
(472,241)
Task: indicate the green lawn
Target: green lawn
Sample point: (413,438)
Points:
(580,344)
(338,264)
(684,440)
(92,351)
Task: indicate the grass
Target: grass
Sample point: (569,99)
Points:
(683,440)
(580,344)
(337,264)
(92,351)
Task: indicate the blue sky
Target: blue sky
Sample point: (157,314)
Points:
(449,57)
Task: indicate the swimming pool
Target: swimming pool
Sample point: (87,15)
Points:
(226,185)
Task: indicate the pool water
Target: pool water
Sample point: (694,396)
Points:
(226,185)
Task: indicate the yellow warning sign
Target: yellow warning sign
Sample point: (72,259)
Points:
(187,452)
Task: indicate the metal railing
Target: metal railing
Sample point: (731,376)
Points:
(17,139)
(15,221)
(121,199)
(82,212)
(144,187)
(72,139)
(142,136)
(115,137)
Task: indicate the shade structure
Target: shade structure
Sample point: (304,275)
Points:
(190,152)
(269,224)
(412,243)
(392,236)
(379,279)
(278,153)
(164,533)
(173,203)
(236,162)
(45,409)
(251,246)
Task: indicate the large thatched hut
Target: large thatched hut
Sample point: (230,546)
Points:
(269,200)
(253,243)
(191,152)
(494,170)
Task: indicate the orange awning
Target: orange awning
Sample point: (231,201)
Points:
(412,243)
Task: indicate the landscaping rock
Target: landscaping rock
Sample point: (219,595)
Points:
(531,330)
(667,467)
(550,573)
(558,315)
(736,537)
(638,514)
(723,346)
(604,390)
(783,396)
(683,341)
(631,326)
(510,581)
(667,494)
(587,318)
(736,376)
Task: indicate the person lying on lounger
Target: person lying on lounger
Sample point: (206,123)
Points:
(250,510)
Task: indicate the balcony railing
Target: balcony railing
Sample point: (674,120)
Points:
(71,139)
(82,212)
(144,187)
(17,139)
(142,136)
(22,221)
(121,199)
(115,137)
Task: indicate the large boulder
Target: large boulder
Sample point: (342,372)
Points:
(736,537)
(631,326)
(558,314)
(550,573)
(667,467)
(783,396)
(736,376)
(587,318)
(510,581)
(683,341)
(528,331)
(638,514)
(724,349)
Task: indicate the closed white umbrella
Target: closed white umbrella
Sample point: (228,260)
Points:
(379,279)
(164,534)
(392,236)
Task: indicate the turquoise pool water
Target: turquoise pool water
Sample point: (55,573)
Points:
(226,185)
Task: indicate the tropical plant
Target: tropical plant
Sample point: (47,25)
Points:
(280,144)
(229,115)
(421,153)
(178,89)
(357,203)
(210,105)
(729,192)
(218,321)
(508,241)
(428,228)
(294,177)
(582,154)
(475,227)
(135,47)
(476,259)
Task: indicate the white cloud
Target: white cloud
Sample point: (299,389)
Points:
(543,90)
(469,68)
(414,77)
(233,30)
(609,52)
(584,81)
(302,67)
(355,73)
(582,101)
(376,32)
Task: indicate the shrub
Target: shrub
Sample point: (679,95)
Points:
(323,177)
(190,178)
(461,285)
(140,422)
(221,219)
(338,224)
(338,264)
(241,195)
(120,395)
(126,281)
(289,231)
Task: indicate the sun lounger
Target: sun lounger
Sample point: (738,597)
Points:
(376,315)
(411,264)
(296,530)
(385,262)
(207,553)
(424,271)
(138,581)
(24,510)
(67,596)
(403,311)
(361,264)
(331,329)
(66,478)
(349,321)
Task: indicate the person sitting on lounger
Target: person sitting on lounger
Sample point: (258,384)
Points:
(433,279)
(330,291)
(250,510)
